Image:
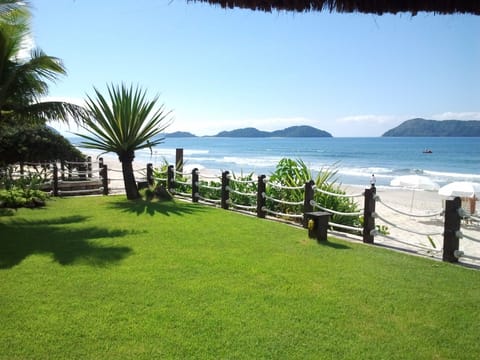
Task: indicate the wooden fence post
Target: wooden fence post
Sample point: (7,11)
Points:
(104,175)
(368,219)
(150,174)
(195,185)
(179,159)
(89,167)
(170,177)
(55,180)
(225,189)
(62,168)
(451,226)
(308,197)
(82,166)
(261,200)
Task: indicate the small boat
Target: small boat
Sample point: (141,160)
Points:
(427,151)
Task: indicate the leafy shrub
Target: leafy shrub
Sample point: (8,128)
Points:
(22,192)
(244,184)
(288,174)
(295,173)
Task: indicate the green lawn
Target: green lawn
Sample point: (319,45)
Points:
(102,278)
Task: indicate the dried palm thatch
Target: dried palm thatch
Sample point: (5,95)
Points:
(362,6)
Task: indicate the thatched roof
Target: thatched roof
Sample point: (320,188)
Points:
(362,6)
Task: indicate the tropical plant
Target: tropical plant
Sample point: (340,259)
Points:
(23,78)
(291,173)
(124,123)
(242,187)
(22,192)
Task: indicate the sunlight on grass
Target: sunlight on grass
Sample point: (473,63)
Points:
(99,277)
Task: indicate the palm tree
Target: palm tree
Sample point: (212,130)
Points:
(8,5)
(23,79)
(124,123)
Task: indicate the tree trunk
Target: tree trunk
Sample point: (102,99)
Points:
(128,175)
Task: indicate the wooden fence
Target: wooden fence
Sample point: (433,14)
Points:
(82,178)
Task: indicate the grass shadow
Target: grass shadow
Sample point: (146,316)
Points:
(333,245)
(66,244)
(141,207)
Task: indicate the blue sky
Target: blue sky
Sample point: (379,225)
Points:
(349,74)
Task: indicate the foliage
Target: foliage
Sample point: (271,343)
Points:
(38,143)
(175,280)
(160,174)
(295,173)
(22,192)
(24,79)
(243,184)
(288,174)
(210,189)
(124,123)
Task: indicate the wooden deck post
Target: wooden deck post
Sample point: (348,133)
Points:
(308,197)
(150,174)
(451,226)
(104,175)
(179,159)
(195,185)
(225,189)
(55,180)
(89,167)
(170,177)
(368,219)
(261,201)
(62,169)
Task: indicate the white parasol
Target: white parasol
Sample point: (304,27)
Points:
(465,189)
(416,182)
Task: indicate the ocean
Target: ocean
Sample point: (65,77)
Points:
(355,159)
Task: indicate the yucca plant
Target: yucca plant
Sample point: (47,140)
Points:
(124,123)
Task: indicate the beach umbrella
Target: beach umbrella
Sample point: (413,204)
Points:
(465,189)
(416,182)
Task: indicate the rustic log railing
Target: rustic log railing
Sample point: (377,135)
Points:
(223,191)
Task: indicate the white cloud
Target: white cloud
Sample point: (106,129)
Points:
(369,119)
(365,125)
(472,115)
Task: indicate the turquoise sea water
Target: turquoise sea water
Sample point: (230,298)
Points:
(452,159)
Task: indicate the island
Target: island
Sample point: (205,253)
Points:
(179,134)
(292,131)
(435,128)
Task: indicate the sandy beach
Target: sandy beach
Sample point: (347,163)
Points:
(405,211)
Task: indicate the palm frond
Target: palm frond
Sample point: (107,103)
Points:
(51,110)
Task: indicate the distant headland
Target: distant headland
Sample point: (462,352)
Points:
(410,128)
(434,128)
(250,132)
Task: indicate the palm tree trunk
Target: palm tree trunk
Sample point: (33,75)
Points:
(128,175)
